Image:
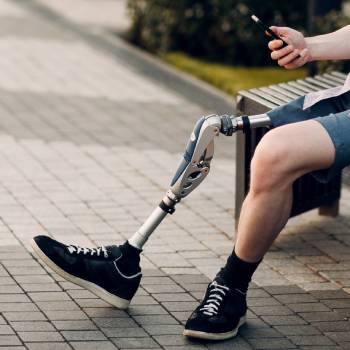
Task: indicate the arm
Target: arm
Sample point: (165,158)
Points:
(332,46)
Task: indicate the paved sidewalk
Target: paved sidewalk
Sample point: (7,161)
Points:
(88,145)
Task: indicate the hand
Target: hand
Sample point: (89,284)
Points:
(287,57)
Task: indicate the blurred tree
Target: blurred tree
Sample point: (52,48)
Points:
(214,29)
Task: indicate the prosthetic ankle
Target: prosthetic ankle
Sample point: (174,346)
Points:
(195,165)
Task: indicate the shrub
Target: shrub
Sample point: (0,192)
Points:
(219,30)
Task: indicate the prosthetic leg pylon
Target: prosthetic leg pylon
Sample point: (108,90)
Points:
(195,165)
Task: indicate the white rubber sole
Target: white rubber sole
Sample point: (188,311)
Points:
(214,336)
(92,287)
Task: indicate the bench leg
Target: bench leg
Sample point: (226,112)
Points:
(331,209)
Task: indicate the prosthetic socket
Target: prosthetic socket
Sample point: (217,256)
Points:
(195,165)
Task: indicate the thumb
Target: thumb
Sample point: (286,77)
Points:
(280,31)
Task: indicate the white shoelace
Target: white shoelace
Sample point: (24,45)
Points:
(215,298)
(76,249)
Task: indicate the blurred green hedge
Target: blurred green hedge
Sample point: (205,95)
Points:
(218,30)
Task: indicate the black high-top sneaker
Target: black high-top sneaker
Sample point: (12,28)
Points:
(219,315)
(104,271)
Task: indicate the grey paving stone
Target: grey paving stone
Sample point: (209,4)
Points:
(155,320)
(337,303)
(33,279)
(297,330)
(163,288)
(135,343)
(74,325)
(296,298)
(186,347)
(85,303)
(263,302)
(181,316)
(156,280)
(279,310)
(24,316)
(63,305)
(311,340)
(9,340)
(248,331)
(41,287)
(49,296)
(180,306)
(308,307)
(5,329)
(134,332)
(146,310)
(30,326)
(93,345)
(45,346)
(64,315)
(173,297)
(10,289)
(339,337)
(83,335)
(105,312)
(40,336)
(290,320)
(317,347)
(163,329)
(322,316)
(330,294)
(281,290)
(333,326)
(80,294)
(20,307)
(121,322)
(271,343)
(234,343)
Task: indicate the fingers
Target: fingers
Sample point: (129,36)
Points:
(278,54)
(280,31)
(298,62)
(288,58)
(275,44)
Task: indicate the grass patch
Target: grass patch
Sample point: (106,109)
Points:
(229,78)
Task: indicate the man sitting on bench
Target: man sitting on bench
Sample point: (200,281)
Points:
(310,134)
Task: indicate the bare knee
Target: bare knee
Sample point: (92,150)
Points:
(271,165)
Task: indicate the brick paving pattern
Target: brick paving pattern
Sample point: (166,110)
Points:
(88,146)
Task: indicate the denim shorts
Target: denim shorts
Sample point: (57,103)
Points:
(334,115)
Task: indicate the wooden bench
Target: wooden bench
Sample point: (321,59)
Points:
(307,192)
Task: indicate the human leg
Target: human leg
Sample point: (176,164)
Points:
(283,155)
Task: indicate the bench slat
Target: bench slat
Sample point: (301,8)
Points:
(339,74)
(297,91)
(304,85)
(334,78)
(284,91)
(250,95)
(276,93)
(318,83)
(268,97)
(327,81)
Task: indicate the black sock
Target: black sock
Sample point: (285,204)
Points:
(238,273)
(129,263)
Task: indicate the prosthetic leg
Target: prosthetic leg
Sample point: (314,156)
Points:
(195,165)
(113,273)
